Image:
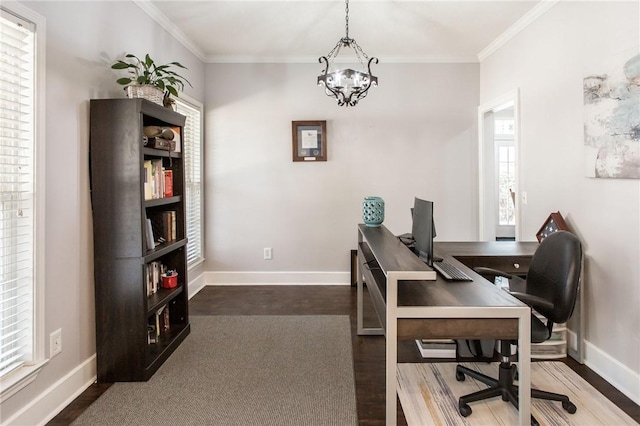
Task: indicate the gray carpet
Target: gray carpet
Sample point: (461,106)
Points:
(244,370)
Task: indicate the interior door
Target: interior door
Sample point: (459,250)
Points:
(504,166)
(499,203)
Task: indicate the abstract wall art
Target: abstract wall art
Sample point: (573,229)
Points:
(612,118)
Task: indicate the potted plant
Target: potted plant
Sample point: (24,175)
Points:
(150,81)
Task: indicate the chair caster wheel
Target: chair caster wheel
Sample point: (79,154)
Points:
(465,410)
(570,407)
(459,376)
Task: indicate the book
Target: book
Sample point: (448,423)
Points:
(173,225)
(148,180)
(149,234)
(168,183)
(163,224)
(152,336)
(166,325)
(158,179)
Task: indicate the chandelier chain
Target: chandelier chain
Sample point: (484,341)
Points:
(359,49)
(346,19)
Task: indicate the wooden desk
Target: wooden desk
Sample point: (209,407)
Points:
(411,304)
(514,257)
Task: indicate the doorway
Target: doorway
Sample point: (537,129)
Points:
(499,200)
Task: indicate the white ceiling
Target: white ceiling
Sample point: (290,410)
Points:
(303,30)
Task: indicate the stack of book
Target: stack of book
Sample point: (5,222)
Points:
(158,324)
(158,181)
(153,279)
(161,228)
(437,348)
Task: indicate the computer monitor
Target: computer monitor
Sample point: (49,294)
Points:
(423,230)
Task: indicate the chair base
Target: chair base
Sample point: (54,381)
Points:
(504,388)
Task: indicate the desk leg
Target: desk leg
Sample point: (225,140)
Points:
(392,350)
(524,369)
(361,330)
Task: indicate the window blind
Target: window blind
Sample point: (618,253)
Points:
(17,52)
(192,157)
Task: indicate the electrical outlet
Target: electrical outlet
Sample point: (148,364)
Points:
(55,343)
(268,253)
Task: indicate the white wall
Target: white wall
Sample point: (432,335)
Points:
(83,40)
(414,135)
(547,62)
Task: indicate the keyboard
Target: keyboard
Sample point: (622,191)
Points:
(450,272)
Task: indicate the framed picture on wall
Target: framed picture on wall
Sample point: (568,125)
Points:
(309,140)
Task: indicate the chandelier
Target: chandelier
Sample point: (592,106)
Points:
(348,86)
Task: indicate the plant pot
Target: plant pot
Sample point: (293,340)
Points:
(145,91)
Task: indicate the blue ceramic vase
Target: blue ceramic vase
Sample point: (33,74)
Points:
(373,211)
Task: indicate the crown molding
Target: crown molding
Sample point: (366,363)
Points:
(522,23)
(166,23)
(248,59)
(160,18)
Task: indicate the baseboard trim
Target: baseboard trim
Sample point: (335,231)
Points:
(277,278)
(196,284)
(49,403)
(613,371)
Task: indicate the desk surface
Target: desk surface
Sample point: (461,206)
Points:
(488,248)
(392,255)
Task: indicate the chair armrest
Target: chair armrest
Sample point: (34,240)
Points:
(490,271)
(531,300)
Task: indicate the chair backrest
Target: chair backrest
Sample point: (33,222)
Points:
(554,274)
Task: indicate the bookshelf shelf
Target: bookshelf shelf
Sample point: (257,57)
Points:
(138,322)
(163,249)
(162,201)
(162,297)
(153,152)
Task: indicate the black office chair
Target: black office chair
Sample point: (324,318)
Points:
(551,288)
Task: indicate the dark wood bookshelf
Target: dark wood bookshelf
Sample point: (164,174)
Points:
(124,309)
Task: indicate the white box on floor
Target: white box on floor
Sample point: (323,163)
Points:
(437,348)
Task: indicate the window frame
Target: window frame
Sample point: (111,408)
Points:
(192,103)
(16,380)
(511,165)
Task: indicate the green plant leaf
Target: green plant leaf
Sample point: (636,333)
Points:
(120,65)
(147,72)
(172,90)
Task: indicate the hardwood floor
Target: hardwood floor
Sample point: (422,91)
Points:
(368,351)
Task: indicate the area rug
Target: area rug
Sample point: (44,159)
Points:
(429,395)
(244,370)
